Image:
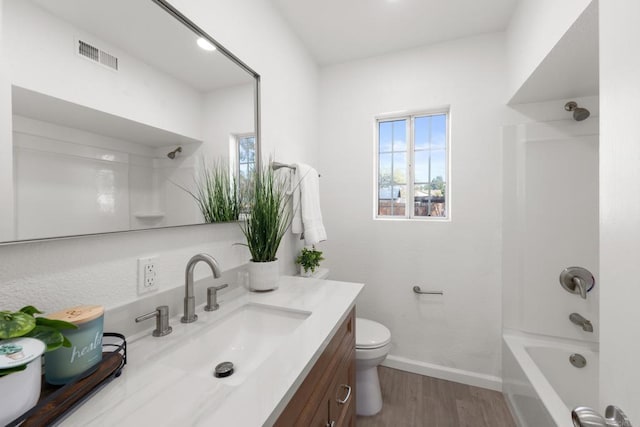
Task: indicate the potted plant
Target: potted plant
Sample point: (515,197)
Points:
(309,260)
(217,193)
(23,339)
(268,219)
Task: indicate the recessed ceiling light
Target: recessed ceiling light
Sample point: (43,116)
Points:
(206,44)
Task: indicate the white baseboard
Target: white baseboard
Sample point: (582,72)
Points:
(443,372)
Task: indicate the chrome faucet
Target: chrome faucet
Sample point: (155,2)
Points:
(189,298)
(581,321)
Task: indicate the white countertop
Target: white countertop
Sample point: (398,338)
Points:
(151,393)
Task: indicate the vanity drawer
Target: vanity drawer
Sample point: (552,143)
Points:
(311,404)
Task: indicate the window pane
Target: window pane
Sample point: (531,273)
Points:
(399,168)
(385,130)
(429,202)
(422,166)
(248,143)
(438,164)
(400,135)
(422,125)
(398,198)
(421,200)
(384,171)
(384,200)
(439,131)
(244,172)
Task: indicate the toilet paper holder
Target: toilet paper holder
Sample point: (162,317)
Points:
(419,291)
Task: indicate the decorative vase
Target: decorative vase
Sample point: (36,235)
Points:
(307,273)
(263,276)
(20,391)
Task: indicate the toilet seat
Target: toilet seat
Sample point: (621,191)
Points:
(371,335)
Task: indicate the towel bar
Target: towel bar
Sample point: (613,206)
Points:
(417,290)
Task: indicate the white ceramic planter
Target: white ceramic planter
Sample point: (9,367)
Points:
(20,391)
(263,276)
(307,273)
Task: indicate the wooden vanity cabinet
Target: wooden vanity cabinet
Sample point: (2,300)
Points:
(326,397)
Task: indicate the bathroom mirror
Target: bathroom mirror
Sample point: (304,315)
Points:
(115,105)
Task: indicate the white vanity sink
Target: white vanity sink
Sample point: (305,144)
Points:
(273,339)
(246,337)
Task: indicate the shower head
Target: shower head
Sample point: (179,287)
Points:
(579,113)
(172,154)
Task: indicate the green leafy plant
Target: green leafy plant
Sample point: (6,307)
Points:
(309,259)
(269,215)
(23,323)
(217,193)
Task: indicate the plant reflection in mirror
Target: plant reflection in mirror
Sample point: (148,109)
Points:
(216,192)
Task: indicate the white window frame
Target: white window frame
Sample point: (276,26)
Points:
(410,172)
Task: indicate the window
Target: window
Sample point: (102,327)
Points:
(245,158)
(412,166)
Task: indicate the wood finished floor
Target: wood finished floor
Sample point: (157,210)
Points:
(413,400)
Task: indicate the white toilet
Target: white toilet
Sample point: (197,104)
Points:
(373,342)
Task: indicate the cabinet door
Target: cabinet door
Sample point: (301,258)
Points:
(321,416)
(342,393)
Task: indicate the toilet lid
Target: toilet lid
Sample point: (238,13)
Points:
(370,334)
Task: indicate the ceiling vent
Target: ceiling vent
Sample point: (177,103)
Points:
(95,54)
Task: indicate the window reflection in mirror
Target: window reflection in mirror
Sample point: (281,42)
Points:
(103,91)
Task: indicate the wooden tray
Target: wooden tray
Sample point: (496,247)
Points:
(55,401)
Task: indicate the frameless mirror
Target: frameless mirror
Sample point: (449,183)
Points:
(114,102)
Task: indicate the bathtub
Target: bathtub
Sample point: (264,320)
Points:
(540,384)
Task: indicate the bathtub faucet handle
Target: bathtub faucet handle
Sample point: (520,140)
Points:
(583,416)
(577,280)
(581,286)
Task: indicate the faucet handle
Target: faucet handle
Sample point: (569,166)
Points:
(212,297)
(161,314)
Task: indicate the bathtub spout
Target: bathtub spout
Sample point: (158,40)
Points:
(581,321)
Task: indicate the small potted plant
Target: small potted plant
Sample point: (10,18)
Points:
(309,260)
(23,339)
(268,219)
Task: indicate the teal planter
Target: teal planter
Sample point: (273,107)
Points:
(64,364)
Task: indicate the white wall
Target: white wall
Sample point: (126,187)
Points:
(102,269)
(462,329)
(227,111)
(534,29)
(620,205)
(41,56)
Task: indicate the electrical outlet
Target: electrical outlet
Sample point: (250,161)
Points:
(147,275)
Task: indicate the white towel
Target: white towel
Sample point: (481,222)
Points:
(307,217)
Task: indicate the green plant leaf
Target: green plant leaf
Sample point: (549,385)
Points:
(52,338)
(13,369)
(216,193)
(30,310)
(16,324)
(56,324)
(269,216)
